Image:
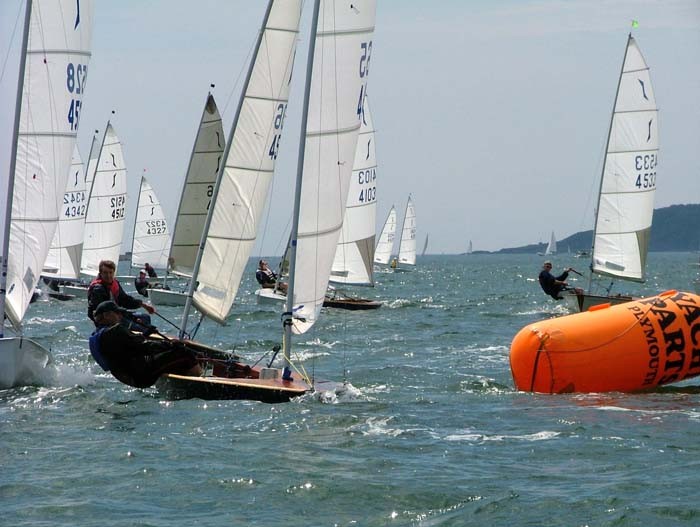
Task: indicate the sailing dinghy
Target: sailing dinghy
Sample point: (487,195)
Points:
(106,211)
(406,259)
(385,244)
(51,81)
(340,42)
(627,184)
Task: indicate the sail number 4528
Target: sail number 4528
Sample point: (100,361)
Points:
(648,163)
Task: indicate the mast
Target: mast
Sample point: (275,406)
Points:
(13,165)
(289,306)
(222,169)
(607,143)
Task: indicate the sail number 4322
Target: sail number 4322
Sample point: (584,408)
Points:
(648,163)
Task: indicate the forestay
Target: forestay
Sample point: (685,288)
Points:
(385,245)
(151,241)
(198,190)
(354,255)
(341,65)
(407,245)
(628,184)
(104,224)
(252,149)
(57,56)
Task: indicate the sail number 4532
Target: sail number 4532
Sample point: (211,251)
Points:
(648,163)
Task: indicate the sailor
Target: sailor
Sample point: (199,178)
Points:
(554,285)
(141,283)
(106,287)
(149,269)
(133,358)
(267,278)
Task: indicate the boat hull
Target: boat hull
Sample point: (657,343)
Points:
(75,291)
(631,347)
(22,361)
(352,304)
(269,297)
(166,297)
(583,301)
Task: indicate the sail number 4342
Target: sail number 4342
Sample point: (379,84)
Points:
(646,162)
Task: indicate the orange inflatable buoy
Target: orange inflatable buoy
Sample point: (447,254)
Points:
(629,347)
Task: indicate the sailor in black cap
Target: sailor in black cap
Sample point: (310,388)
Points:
(134,358)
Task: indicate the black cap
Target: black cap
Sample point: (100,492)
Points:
(107,306)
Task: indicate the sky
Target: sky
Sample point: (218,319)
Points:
(493,115)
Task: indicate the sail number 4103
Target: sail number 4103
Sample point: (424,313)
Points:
(648,163)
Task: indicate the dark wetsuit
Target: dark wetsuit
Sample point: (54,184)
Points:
(151,272)
(266,278)
(547,283)
(99,292)
(141,285)
(137,360)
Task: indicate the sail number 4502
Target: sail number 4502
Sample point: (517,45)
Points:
(646,162)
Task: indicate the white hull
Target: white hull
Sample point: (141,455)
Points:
(165,297)
(583,302)
(21,361)
(75,290)
(270,297)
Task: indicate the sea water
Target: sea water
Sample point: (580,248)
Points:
(428,430)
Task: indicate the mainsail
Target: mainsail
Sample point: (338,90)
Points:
(341,63)
(251,151)
(197,192)
(104,223)
(385,244)
(407,245)
(354,255)
(52,79)
(628,181)
(151,241)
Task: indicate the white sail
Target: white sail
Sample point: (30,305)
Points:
(53,84)
(551,246)
(469,247)
(104,223)
(242,187)
(628,182)
(341,65)
(63,260)
(151,241)
(425,246)
(382,253)
(198,190)
(407,245)
(354,255)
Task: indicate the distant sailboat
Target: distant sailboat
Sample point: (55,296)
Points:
(551,246)
(469,248)
(627,184)
(425,246)
(385,243)
(406,259)
(151,238)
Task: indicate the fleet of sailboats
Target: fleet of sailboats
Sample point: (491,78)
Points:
(47,113)
(340,37)
(627,184)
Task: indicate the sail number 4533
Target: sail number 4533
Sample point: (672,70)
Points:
(648,163)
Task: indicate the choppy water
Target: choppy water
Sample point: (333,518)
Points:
(430,431)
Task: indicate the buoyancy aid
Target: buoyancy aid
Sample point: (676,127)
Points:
(113,287)
(95,348)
